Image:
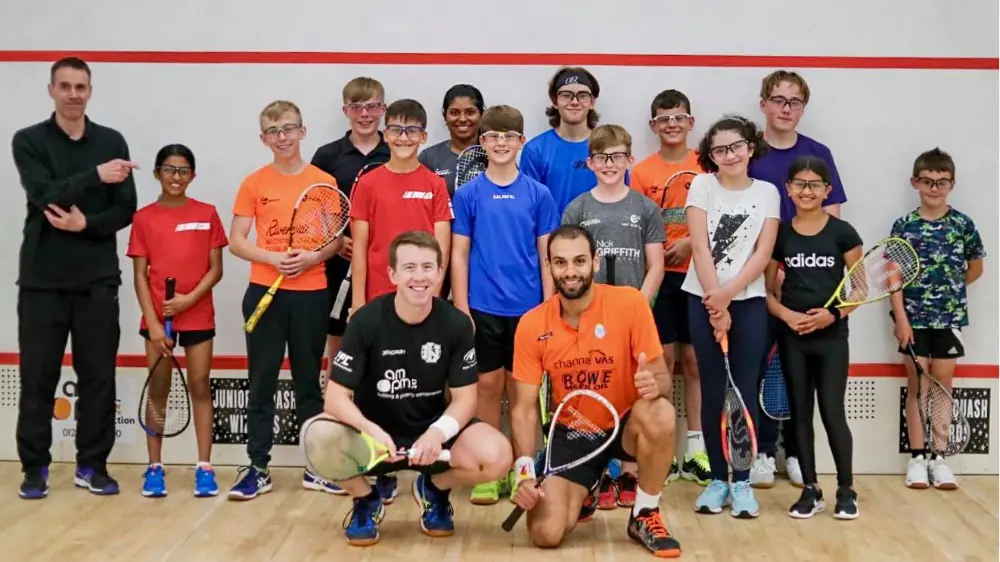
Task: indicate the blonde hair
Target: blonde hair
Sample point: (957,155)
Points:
(274,110)
(363,88)
(606,136)
(772,80)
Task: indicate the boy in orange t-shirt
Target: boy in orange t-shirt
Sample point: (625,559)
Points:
(297,316)
(671,121)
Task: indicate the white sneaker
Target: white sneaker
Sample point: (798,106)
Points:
(794,472)
(916,473)
(941,474)
(762,472)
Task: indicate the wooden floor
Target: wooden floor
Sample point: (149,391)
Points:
(298,525)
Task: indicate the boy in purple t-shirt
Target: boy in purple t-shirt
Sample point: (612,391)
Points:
(783,99)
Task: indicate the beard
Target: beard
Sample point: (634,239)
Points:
(572,294)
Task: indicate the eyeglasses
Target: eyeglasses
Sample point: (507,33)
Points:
(676,118)
(399,130)
(608,157)
(812,185)
(497,136)
(928,183)
(370,107)
(781,101)
(568,97)
(169,171)
(721,151)
(271,133)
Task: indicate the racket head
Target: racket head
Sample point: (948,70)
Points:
(584,423)
(336,451)
(165,401)
(321,214)
(739,434)
(886,268)
(471,162)
(679,180)
(946,428)
(773,390)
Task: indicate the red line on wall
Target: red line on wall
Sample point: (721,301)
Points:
(239,363)
(508,59)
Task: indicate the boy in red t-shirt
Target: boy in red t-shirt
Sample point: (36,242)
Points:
(179,237)
(399,196)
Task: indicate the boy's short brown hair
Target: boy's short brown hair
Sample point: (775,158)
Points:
(363,88)
(934,160)
(501,118)
(407,111)
(606,136)
(420,239)
(274,110)
(771,81)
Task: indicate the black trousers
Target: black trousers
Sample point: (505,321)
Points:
(45,320)
(298,320)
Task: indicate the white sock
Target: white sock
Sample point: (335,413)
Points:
(644,501)
(696,443)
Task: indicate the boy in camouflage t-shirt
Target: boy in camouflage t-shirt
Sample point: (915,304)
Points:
(931,312)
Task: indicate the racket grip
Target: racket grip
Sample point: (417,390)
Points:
(265,301)
(511,520)
(170,291)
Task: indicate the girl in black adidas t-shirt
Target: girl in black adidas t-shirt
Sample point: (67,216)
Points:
(813,249)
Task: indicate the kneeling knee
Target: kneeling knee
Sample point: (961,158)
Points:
(657,419)
(496,459)
(546,534)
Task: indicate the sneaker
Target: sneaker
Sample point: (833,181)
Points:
(312,481)
(794,472)
(941,475)
(361,523)
(204,482)
(35,485)
(628,485)
(696,468)
(810,503)
(607,496)
(649,530)
(387,487)
(715,497)
(589,507)
(675,472)
(97,482)
(762,472)
(744,504)
(487,493)
(154,483)
(916,473)
(847,504)
(250,482)
(436,519)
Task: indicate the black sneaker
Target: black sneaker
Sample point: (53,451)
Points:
(810,503)
(649,530)
(847,503)
(35,485)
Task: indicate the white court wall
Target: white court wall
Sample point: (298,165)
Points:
(875,115)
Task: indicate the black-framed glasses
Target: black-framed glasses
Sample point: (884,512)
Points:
(608,157)
(928,183)
(288,130)
(182,171)
(721,151)
(567,97)
(813,186)
(399,130)
(676,118)
(782,102)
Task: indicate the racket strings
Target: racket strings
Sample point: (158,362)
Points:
(680,180)
(334,451)
(321,221)
(580,426)
(946,429)
(471,162)
(738,431)
(884,270)
(164,404)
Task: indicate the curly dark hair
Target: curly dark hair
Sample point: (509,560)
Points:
(742,126)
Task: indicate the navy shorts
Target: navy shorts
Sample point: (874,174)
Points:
(670,311)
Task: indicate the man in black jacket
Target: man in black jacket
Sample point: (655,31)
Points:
(77,177)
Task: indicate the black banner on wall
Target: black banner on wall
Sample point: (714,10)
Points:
(229,401)
(975,404)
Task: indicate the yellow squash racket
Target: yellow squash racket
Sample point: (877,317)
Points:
(886,268)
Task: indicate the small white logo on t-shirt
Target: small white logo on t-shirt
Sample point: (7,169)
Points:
(192,226)
(812,260)
(418,195)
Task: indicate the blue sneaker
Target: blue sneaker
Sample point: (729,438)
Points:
(35,485)
(361,523)
(204,483)
(387,487)
(744,503)
(312,481)
(715,497)
(436,510)
(96,482)
(154,484)
(250,482)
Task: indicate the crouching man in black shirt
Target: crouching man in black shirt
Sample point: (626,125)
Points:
(401,355)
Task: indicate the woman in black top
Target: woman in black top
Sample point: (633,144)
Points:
(813,249)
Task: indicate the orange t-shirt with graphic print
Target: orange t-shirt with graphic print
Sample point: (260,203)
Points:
(601,354)
(649,177)
(268,196)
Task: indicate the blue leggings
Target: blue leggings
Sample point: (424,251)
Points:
(747,344)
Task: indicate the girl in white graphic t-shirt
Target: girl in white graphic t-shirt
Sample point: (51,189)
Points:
(733,221)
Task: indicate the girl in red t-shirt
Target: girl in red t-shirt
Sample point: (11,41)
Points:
(179,237)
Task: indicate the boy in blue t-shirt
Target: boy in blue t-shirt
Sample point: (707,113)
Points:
(931,312)
(557,158)
(502,223)
(783,99)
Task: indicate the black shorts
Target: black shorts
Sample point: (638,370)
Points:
(937,343)
(589,473)
(186,338)
(434,468)
(494,340)
(338,285)
(670,310)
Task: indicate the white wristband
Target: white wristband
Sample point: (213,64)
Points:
(524,468)
(448,426)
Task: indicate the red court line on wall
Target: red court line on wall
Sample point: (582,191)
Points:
(239,363)
(508,59)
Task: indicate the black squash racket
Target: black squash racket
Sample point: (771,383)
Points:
(165,402)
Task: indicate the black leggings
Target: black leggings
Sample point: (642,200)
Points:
(818,366)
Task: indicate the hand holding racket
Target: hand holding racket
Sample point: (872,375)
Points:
(320,214)
(739,436)
(165,402)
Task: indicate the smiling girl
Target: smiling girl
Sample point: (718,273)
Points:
(179,237)
(462,108)
(733,221)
